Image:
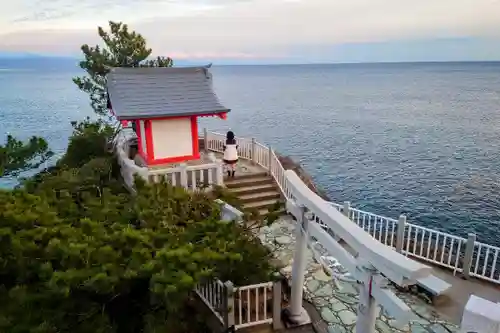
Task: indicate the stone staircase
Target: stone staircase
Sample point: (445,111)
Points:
(255,191)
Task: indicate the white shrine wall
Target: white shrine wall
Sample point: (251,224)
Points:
(172,138)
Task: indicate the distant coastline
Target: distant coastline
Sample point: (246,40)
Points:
(30,57)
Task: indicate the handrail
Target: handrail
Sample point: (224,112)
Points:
(467,256)
(212,294)
(244,306)
(180,169)
(251,304)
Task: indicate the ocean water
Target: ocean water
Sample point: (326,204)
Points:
(419,139)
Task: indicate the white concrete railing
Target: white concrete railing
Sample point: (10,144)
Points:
(254,304)
(412,240)
(214,294)
(190,177)
(128,168)
(463,255)
(485,262)
(242,307)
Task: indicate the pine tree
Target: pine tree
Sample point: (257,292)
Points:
(122,48)
(16,156)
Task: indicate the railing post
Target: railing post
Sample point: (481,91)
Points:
(400,233)
(219,173)
(228,304)
(218,177)
(270,158)
(184,177)
(347,209)
(277,305)
(469,254)
(254,150)
(205,140)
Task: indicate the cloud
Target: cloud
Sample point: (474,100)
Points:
(266,28)
(29,14)
(274,25)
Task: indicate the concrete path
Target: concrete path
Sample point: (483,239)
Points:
(461,290)
(338,307)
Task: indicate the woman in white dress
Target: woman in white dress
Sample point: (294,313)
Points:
(230,154)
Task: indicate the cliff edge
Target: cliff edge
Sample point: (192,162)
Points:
(289,164)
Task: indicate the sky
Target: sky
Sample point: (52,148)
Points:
(265,30)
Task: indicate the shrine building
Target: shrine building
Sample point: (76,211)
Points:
(163,106)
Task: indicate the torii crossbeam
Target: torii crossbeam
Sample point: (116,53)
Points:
(372,266)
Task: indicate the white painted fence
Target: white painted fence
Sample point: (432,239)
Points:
(214,294)
(128,168)
(463,255)
(190,177)
(242,307)
(254,304)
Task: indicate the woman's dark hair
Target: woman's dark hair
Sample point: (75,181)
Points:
(230,138)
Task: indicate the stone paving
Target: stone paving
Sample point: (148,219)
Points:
(338,306)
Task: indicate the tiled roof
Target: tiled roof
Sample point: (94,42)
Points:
(139,93)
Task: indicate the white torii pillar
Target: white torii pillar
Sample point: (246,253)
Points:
(297,315)
(370,281)
(372,263)
(372,285)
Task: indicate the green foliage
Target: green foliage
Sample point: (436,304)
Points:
(122,48)
(16,156)
(228,197)
(78,244)
(249,245)
(90,139)
(78,253)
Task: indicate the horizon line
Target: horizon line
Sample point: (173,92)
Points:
(31,56)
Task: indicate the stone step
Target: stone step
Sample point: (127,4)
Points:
(263,211)
(261,204)
(242,175)
(241,191)
(268,195)
(264,328)
(246,182)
